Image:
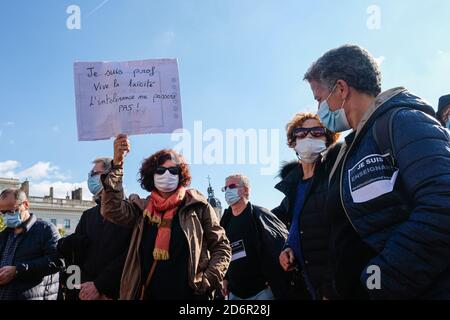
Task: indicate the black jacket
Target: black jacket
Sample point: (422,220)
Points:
(272,235)
(36,261)
(314,223)
(99,247)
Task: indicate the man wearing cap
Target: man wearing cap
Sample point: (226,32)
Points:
(443,113)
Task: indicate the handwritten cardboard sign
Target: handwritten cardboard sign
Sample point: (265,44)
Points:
(131,97)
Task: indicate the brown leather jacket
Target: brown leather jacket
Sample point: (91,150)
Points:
(210,251)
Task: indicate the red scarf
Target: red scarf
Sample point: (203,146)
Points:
(161,211)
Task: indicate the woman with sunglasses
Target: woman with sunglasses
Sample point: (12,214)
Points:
(178,250)
(305,184)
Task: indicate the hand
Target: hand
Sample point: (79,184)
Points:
(89,292)
(121,148)
(287,259)
(225,291)
(7,274)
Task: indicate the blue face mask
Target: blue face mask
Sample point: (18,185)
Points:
(94,184)
(448,123)
(232,196)
(12,220)
(335,121)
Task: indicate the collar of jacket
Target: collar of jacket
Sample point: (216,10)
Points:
(26,226)
(192,197)
(291,172)
(379,101)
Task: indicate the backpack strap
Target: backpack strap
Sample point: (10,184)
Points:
(382,132)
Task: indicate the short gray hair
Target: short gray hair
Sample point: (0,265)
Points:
(19,194)
(351,63)
(244,181)
(106,162)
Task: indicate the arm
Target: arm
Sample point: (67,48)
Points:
(108,281)
(48,263)
(113,206)
(281,212)
(273,235)
(219,248)
(418,252)
(72,246)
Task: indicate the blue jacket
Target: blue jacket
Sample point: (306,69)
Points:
(36,261)
(400,204)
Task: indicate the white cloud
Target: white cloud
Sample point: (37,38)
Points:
(38,171)
(42,176)
(8,165)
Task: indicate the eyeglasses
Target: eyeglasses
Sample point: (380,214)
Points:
(231,186)
(173,170)
(316,132)
(11,212)
(95,173)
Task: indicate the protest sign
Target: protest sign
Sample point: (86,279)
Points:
(131,97)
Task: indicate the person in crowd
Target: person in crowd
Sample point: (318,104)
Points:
(98,246)
(29,264)
(443,113)
(389,197)
(305,185)
(178,250)
(257,237)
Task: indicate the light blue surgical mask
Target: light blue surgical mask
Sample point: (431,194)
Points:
(13,220)
(94,184)
(448,124)
(335,121)
(232,196)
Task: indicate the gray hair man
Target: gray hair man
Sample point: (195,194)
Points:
(28,259)
(97,246)
(389,199)
(257,237)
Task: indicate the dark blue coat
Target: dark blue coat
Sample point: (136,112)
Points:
(36,261)
(409,226)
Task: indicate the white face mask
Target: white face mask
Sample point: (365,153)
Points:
(309,149)
(166,182)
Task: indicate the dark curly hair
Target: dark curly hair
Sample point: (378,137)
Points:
(150,164)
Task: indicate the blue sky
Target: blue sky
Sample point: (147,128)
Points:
(241,65)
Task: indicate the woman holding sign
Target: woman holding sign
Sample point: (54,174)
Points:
(178,250)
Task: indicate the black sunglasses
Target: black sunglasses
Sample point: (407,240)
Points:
(95,173)
(173,170)
(11,211)
(316,132)
(231,186)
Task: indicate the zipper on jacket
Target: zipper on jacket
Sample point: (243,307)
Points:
(136,291)
(341,186)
